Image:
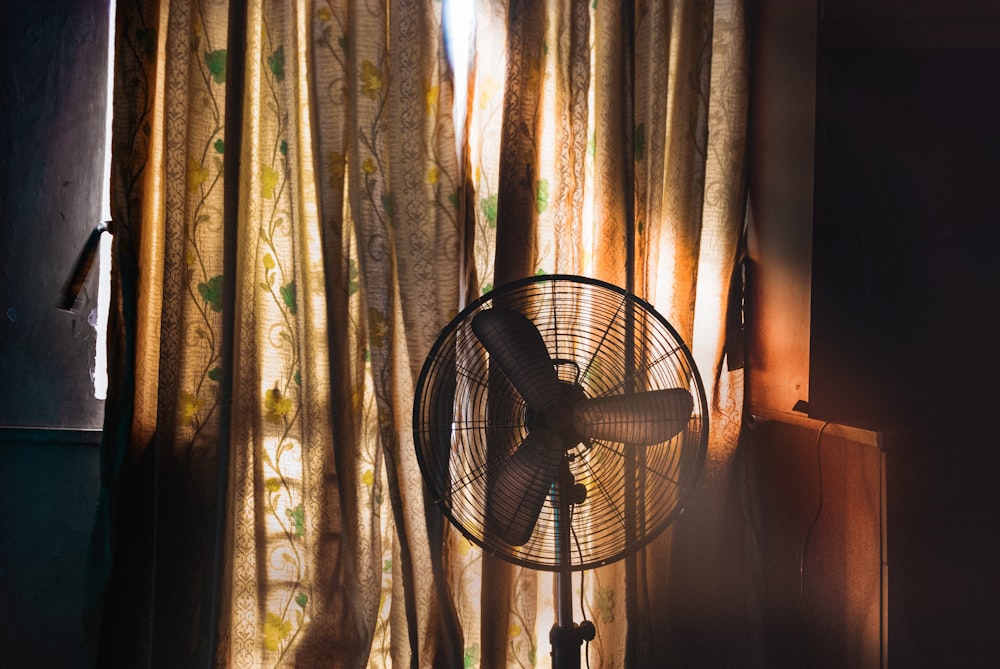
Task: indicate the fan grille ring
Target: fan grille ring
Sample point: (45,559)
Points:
(469,420)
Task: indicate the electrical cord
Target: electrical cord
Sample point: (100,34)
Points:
(809,531)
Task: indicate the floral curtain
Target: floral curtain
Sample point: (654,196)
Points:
(294,223)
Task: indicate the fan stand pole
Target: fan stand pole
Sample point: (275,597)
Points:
(566,637)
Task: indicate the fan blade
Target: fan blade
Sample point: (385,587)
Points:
(643,419)
(515,344)
(519,486)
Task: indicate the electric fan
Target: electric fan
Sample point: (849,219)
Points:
(560,423)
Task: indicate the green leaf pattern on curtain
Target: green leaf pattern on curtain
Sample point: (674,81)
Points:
(349,257)
(483,144)
(268,317)
(388,231)
(284,528)
(359,459)
(193,220)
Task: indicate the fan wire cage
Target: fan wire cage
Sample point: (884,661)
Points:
(479,440)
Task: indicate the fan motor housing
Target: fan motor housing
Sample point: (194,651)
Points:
(560,416)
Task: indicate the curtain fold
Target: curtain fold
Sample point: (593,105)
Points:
(284,522)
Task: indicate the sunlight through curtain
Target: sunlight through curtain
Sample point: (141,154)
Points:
(293,229)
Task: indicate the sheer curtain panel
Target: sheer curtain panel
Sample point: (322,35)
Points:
(295,223)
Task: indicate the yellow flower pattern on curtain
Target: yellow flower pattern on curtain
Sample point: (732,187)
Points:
(357,238)
(280,442)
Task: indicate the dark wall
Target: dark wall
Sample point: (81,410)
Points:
(48,493)
(905,290)
(907,217)
(819,489)
(52,104)
(903,159)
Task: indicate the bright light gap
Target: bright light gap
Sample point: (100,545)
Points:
(104,259)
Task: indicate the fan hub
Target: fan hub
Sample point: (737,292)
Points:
(558,415)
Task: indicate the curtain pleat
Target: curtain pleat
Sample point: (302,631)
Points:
(612,130)
(725,597)
(120,506)
(519,178)
(358,570)
(570,65)
(516,221)
(288,525)
(671,97)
